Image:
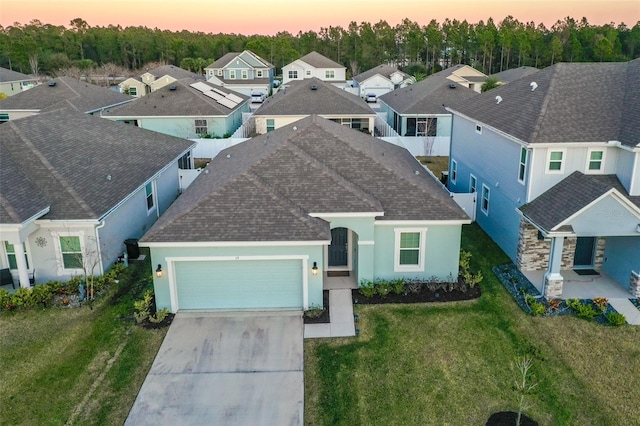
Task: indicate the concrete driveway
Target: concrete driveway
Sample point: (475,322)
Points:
(226,369)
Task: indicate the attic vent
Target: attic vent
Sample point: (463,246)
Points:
(498,99)
(52,83)
(173,87)
(314,87)
(533,85)
(452,85)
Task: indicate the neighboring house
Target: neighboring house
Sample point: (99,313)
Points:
(466,76)
(314,65)
(417,112)
(243,72)
(269,217)
(555,160)
(381,80)
(155,79)
(61,92)
(13,82)
(74,187)
(506,77)
(188,109)
(310,97)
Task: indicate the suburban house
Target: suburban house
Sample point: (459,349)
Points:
(555,160)
(507,76)
(243,72)
(187,109)
(417,112)
(381,80)
(75,187)
(466,76)
(58,93)
(304,98)
(13,82)
(268,218)
(155,79)
(314,65)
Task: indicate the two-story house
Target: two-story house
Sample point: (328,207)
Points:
(315,65)
(243,72)
(155,79)
(555,160)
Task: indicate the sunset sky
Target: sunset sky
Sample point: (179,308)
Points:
(272,16)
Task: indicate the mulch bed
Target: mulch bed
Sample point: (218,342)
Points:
(423,296)
(508,418)
(325,316)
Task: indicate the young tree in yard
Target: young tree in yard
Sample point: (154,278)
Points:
(79,254)
(523,383)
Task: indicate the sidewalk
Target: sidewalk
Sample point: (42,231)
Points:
(626,308)
(341,324)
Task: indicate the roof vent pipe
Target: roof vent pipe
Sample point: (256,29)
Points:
(314,87)
(533,85)
(498,99)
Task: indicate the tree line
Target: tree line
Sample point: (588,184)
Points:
(488,46)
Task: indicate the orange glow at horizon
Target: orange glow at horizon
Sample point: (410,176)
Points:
(269,17)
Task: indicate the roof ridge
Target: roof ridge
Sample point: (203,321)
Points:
(363,194)
(69,87)
(9,208)
(545,104)
(282,199)
(56,175)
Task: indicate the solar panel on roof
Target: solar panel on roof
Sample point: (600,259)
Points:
(219,91)
(200,86)
(213,95)
(227,102)
(234,98)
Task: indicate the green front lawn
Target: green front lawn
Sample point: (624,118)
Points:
(450,364)
(74,366)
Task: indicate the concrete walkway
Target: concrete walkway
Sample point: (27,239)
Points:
(233,368)
(341,310)
(626,308)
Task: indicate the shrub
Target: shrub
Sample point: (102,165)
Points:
(465,270)
(537,309)
(5,299)
(398,286)
(314,311)
(41,294)
(383,288)
(601,303)
(615,318)
(472,279)
(554,304)
(582,310)
(22,298)
(367,288)
(414,286)
(160,316)
(56,287)
(73,284)
(142,308)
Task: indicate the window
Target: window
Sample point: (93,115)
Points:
(11,255)
(454,171)
(133,91)
(184,162)
(71,252)
(555,162)
(220,73)
(472,183)
(4,118)
(245,74)
(523,165)
(259,73)
(409,253)
(485,199)
(232,74)
(293,75)
(201,127)
(596,158)
(149,194)
(308,72)
(354,123)
(271,124)
(329,74)
(478,129)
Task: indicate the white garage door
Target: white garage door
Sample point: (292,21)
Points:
(239,284)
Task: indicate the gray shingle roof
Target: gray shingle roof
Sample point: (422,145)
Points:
(573,102)
(20,199)
(508,76)
(224,60)
(83,97)
(299,99)
(68,156)
(317,60)
(265,188)
(569,196)
(428,96)
(7,76)
(384,70)
(184,101)
(173,71)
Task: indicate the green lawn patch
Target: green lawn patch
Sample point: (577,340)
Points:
(437,364)
(76,365)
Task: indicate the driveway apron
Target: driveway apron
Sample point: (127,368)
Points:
(226,369)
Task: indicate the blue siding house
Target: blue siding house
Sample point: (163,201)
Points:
(555,160)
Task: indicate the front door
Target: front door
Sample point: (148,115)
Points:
(338,249)
(584,252)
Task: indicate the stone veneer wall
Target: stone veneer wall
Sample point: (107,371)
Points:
(533,254)
(634,284)
(599,257)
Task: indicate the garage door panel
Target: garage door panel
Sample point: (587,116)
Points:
(239,284)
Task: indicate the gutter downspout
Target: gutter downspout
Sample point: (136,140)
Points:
(97,230)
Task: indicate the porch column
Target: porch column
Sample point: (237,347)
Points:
(552,286)
(21,262)
(634,284)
